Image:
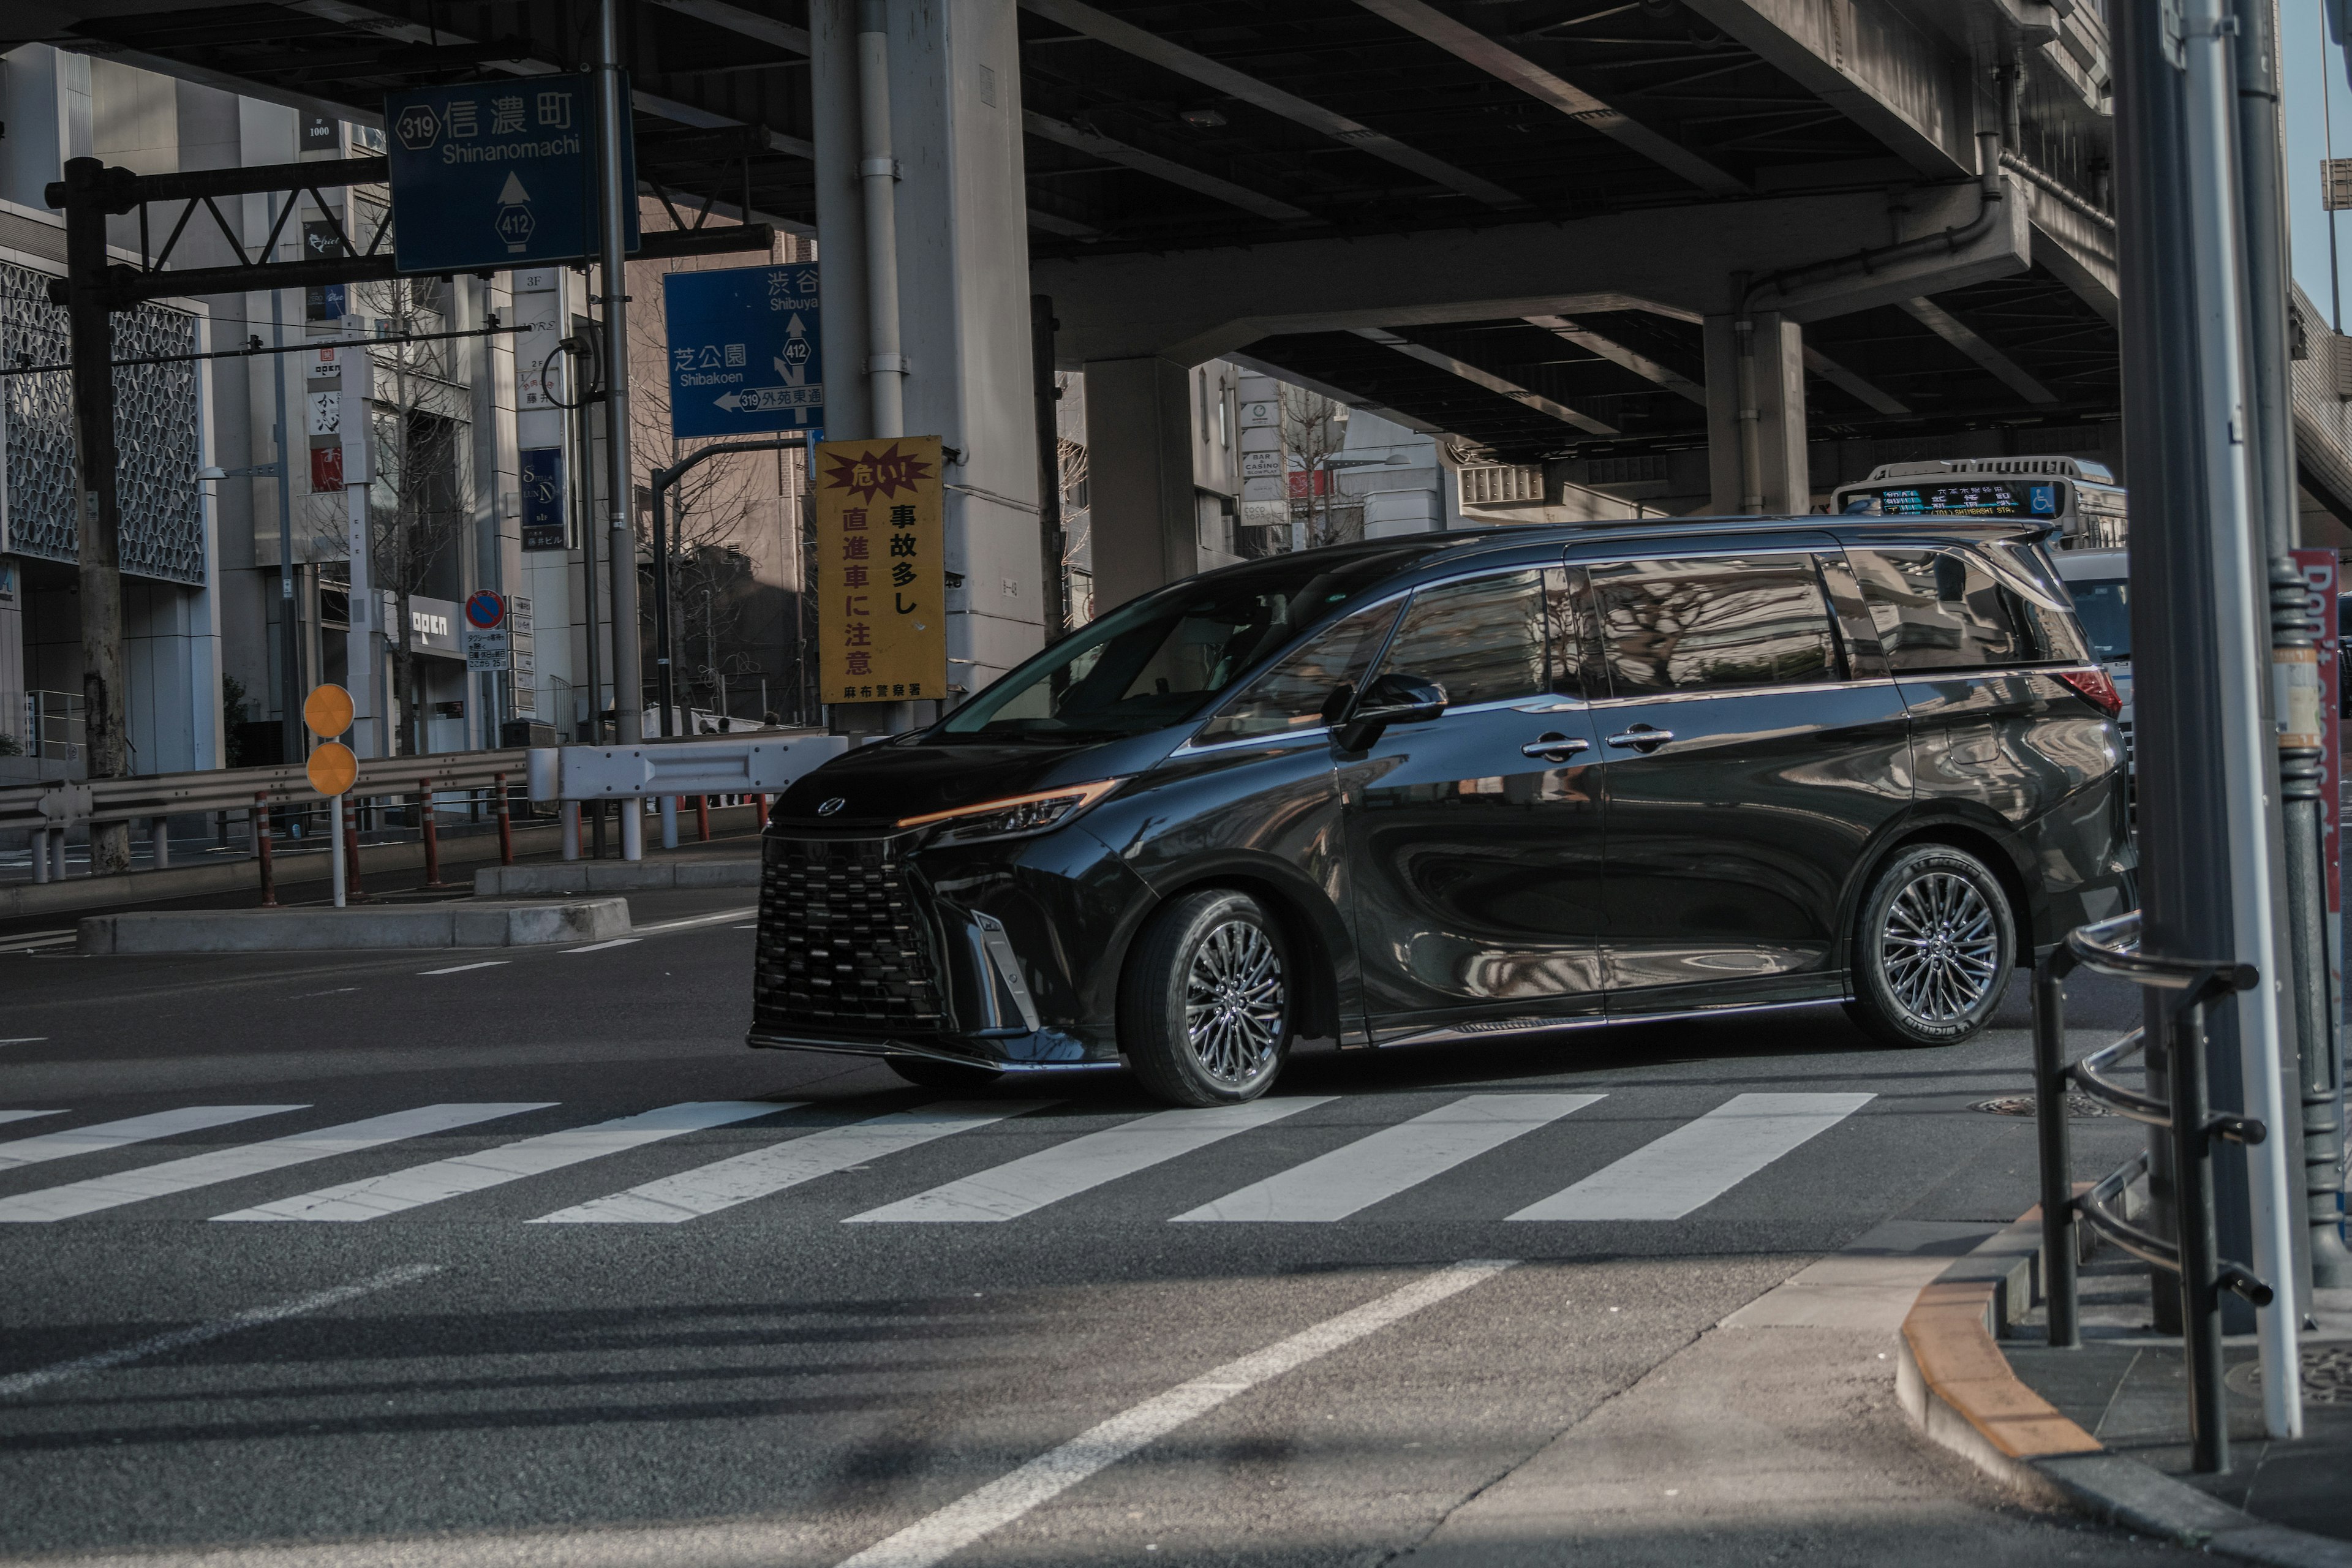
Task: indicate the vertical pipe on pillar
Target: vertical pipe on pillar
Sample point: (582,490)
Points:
(1051,543)
(2247,753)
(877,175)
(90,325)
(612,110)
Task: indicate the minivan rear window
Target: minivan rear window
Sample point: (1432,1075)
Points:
(1948,608)
(1714,624)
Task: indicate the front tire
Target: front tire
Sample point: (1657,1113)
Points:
(1933,948)
(1205,1004)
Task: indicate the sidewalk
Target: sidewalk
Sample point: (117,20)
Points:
(2127,1387)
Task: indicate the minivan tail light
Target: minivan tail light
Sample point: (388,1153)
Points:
(2094,685)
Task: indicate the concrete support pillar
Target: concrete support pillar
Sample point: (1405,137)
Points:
(1145,531)
(1780,481)
(962,278)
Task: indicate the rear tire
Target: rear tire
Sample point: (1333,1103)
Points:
(1933,948)
(931,1074)
(1205,1004)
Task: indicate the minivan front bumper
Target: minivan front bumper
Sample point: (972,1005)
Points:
(1001,954)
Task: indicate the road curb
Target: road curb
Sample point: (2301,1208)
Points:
(612,876)
(453,924)
(1959,1388)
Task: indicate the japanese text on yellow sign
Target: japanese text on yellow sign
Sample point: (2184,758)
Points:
(881,575)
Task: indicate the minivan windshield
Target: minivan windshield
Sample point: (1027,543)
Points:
(1161,658)
(2104,606)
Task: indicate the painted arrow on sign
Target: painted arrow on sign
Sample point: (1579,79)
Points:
(757,399)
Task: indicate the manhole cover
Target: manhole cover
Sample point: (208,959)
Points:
(2078,1106)
(2326,1377)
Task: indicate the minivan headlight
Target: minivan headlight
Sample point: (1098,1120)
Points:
(1012,814)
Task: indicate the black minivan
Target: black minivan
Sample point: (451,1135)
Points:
(1458,785)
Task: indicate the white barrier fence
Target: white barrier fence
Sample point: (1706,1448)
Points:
(667,770)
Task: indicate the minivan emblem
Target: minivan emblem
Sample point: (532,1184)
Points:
(829,807)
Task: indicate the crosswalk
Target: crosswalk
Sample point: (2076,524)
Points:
(1338,1159)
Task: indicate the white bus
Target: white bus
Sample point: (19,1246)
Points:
(2079,496)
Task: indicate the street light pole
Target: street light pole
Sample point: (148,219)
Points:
(612,125)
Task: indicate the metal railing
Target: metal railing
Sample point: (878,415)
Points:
(2191,1255)
(43,724)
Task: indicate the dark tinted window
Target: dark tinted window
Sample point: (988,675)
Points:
(1292,695)
(1724,623)
(1959,609)
(2103,605)
(1480,639)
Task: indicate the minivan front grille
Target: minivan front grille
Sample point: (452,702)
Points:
(840,946)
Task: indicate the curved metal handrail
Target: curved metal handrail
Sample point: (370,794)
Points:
(2143,1245)
(2111,947)
(2131,1102)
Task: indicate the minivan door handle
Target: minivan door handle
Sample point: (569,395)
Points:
(1641,738)
(1555,747)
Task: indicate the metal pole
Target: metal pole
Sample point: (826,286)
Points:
(587,512)
(2058,1256)
(611,125)
(89,324)
(1052,545)
(877,174)
(2201,1308)
(261,847)
(665,692)
(2246,742)
(335,841)
(290,634)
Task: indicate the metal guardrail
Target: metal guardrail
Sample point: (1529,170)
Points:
(2191,1253)
(34,807)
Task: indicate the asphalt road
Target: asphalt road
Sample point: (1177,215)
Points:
(596,1348)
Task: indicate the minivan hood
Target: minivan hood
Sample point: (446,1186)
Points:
(879,784)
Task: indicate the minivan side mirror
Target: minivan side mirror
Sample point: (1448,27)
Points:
(1397,698)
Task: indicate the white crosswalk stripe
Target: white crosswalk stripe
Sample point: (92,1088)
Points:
(24,1115)
(1386,1162)
(1027,1184)
(1700,1161)
(246,1160)
(130,1130)
(709,1188)
(464,1174)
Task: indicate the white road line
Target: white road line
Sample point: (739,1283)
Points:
(931,1541)
(464,1174)
(707,1189)
(131,1129)
(1700,1161)
(246,1160)
(24,1115)
(29,1040)
(26,944)
(462,968)
(601,946)
(1336,1184)
(696,921)
(1021,1186)
(196,1335)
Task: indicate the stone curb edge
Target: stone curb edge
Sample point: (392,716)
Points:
(1957,1388)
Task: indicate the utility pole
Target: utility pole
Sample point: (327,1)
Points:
(89,196)
(628,683)
(289,635)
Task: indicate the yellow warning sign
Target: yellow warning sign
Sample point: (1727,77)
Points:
(881,575)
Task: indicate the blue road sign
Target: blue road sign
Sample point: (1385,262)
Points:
(491,174)
(543,524)
(744,355)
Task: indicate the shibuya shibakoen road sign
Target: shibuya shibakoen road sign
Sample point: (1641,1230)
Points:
(744,356)
(491,174)
(881,570)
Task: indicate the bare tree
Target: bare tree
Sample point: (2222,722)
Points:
(1314,430)
(420,487)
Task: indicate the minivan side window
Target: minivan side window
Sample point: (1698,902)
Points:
(1293,695)
(1482,638)
(1953,609)
(1716,623)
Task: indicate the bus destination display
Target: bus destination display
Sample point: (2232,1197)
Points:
(1970,498)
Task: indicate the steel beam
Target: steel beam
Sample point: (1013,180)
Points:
(1166,169)
(1488,379)
(1869,392)
(1128,39)
(1870,62)
(736,20)
(1496,60)
(1959,333)
(1617,353)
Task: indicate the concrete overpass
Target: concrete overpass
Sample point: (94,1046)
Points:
(1610,238)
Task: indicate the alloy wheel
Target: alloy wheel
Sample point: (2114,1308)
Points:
(1940,947)
(1234,1000)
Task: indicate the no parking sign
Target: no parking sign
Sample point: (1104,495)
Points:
(488,645)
